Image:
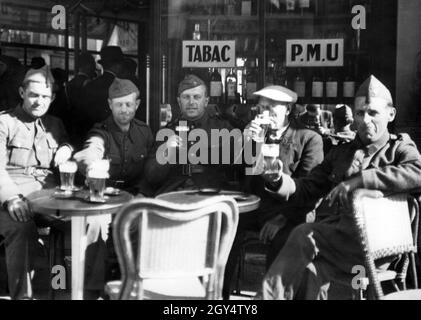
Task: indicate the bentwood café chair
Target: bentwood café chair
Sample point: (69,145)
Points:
(181,249)
(388,228)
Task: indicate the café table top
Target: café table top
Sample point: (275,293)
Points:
(246,202)
(45,202)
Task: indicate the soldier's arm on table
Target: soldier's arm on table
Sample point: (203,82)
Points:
(8,187)
(65,149)
(93,150)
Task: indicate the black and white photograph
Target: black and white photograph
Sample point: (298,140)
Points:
(222,150)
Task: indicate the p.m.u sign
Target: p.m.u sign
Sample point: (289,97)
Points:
(208,54)
(315,53)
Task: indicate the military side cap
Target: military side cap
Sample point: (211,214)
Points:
(40,75)
(121,88)
(278,93)
(189,82)
(373,88)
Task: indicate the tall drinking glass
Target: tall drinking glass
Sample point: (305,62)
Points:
(97,176)
(67,175)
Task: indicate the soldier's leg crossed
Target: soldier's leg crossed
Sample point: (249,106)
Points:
(20,244)
(286,273)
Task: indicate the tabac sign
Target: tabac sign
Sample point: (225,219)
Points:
(208,54)
(315,53)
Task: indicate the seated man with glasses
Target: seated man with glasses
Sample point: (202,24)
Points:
(300,150)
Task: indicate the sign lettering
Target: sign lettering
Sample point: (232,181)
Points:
(315,53)
(208,54)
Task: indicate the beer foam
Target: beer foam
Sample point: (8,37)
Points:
(270,150)
(99,169)
(97,174)
(100,165)
(68,166)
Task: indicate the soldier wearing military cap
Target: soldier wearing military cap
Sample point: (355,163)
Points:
(193,101)
(126,142)
(31,144)
(316,254)
(121,138)
(300,150)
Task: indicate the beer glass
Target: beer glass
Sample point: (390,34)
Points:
(264,121)
(97,176)
(272,165)
(67,175)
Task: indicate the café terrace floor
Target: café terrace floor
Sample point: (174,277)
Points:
(254,269)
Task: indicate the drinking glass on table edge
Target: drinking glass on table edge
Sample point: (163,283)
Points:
(67,175)
(96,177)
(272,165)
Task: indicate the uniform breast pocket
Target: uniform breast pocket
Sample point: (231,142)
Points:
(19,151)
(139,157)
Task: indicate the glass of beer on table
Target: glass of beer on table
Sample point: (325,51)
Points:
(97,175)
(67,175)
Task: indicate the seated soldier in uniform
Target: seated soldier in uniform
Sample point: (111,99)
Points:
(300,150)
(31,144)
(315,254)
(193,101)
(121,138)
(126,142)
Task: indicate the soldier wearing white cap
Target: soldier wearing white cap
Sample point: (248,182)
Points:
(316,254)
(300,150)
(31,143)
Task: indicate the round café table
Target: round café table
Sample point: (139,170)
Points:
(246,202)
(76,209)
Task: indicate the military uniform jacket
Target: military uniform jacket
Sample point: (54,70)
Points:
(393,164)
(27,149)
(127,151)
(170,177)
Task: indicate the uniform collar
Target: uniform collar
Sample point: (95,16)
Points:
(373,147)
(199,121)
(27,120)
(115,128)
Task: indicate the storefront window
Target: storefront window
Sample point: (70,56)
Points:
(310,46)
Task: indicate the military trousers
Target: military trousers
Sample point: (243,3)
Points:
(20,241)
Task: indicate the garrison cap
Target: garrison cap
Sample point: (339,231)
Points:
(373,88)
(121,88)
(40,75)
(278,93)
(189,82)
